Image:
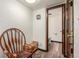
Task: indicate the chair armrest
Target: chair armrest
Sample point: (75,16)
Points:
(31,47)
(34,50)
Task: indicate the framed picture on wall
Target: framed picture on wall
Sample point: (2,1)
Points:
(38,17)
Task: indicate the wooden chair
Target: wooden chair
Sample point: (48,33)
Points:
(12,42)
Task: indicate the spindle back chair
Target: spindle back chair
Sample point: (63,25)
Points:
(12,40)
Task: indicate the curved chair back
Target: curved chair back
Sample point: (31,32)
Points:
(12,40)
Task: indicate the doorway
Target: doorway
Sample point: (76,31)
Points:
(55,24)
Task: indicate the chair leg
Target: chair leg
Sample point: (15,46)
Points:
(31,57)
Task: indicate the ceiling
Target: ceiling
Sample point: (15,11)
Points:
(41,3)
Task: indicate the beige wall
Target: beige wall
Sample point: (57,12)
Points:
(39,28)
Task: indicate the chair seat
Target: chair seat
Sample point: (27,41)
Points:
(15,55)
(25,54)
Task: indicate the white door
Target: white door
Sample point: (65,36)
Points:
(55,24)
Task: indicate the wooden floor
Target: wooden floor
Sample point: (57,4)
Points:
(55,51)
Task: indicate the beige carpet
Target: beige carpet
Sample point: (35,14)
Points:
(55,51)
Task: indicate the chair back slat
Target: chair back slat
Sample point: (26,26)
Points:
(19,40)
(9,43)
(13,41)
(6,44)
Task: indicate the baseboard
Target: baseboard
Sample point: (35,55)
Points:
(56,41)
(43,50)
(47,50)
